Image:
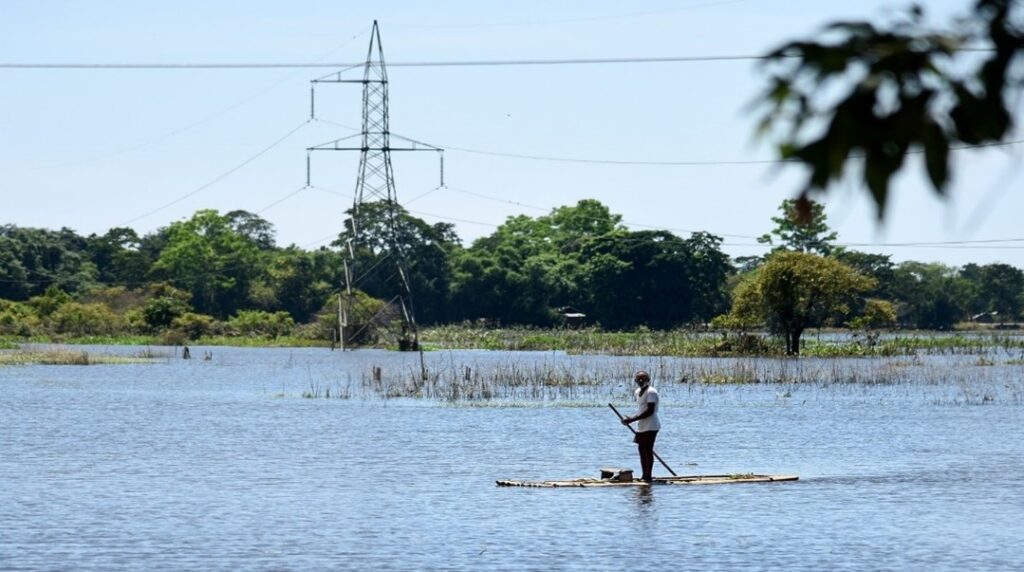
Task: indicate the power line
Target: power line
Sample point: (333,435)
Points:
(410,64)
(667,163)
(203,120)
(628,223)
(690,163)
(219,178)
(282,199)
(996,243)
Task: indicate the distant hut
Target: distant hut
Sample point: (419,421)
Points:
(572,318)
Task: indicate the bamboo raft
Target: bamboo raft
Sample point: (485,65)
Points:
(625,479)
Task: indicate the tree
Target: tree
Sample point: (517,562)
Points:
(793,291)
(929,295)
(251,226)
(877,266)
(294,282)
(118,257)
(1001,288)
(528,267)
(653,278)
(207,257)
(34,259)
(868,95)
(801,233)
(164,305)
(503,286)
(423,248)
(876,314)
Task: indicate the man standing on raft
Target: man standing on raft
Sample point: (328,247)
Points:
(649,424)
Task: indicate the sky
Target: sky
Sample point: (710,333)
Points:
(93,149)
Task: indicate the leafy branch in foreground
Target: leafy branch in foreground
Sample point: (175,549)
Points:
(869,95)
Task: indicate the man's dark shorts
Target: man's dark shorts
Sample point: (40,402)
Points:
(646,439)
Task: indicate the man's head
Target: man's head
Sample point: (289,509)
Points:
(641,378)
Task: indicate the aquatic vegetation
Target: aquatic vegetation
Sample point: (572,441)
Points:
(587,382)
(63,357)
(689,343)
(150,353)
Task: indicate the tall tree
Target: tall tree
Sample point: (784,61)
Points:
(207,257)
(801,233)
(118,257)
(293,282)
(529,267)
(423,248)
(653,278)
(33,259)
(258,230)
(877,266)
(929,295)
(1002,289)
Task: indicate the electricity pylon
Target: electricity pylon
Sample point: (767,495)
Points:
(375,183)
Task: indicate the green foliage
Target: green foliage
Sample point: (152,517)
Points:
(294,281)
(425,250)
(77,319)
(529,267)
(118,298)
(581,257)
(164,305)
(118,256)
(18,319)
(527,272)
(653,278)
(256,230)
(793,291)
(260,323)
(49,302)
(876,314)
(1001,290)
(802,227)
(928,296)
(877,266)
(32,260)
(194,325)
(880,92)
(208,258)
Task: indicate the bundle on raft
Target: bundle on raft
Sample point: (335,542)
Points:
(624,478)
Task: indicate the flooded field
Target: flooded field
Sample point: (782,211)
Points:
(307,459)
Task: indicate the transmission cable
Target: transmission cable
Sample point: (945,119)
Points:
(220,177)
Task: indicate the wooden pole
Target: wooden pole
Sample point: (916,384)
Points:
(656,456)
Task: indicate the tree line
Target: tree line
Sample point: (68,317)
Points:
(225,274)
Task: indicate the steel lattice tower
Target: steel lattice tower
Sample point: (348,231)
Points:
(375,183)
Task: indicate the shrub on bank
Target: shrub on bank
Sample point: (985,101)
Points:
(18,319)
(194,325)
(261,323)
(77,319)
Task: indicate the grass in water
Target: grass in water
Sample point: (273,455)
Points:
(686,343)
(62,357)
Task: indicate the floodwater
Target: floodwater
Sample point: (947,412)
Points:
(223,465)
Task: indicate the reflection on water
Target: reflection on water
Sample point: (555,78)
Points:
(223,465)
(644,496)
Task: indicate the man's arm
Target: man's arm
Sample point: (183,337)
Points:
(646,413)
